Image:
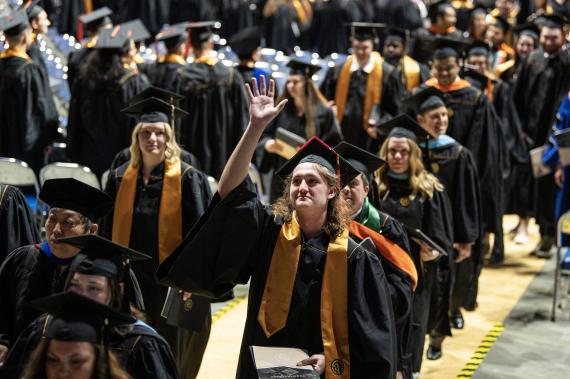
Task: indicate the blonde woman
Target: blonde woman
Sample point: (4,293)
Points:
(158,199)
(416,198)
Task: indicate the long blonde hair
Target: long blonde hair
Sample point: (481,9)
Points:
(422,183)
(172,151)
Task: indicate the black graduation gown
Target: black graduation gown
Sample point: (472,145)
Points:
(97,130)
(282,31)
(352,123)
(28,116)
(195,10)
(75,61)
(238,15)
(400,13)
(17,222)
(141,351)
(330,19)
(210,262)
(429,307)
(326,128)
(163,75)
(36,55)
(214,97)
(69,13)
(144,231)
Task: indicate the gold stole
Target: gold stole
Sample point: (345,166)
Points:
(501,68)
(373,94)
(88,6)
(411,72)
(15,53)
(276,299)
(169,215)
(455,86)
(442,31)
(304,10)
(210,61)
(171,58)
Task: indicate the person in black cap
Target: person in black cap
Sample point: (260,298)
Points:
(526,41)
(542,83)
(416,198)
(443,18)
(162,73)
(28,115)
(215,99)
(96,129)
(76,343)
(297,297)
(364,89)
(246,44)
(306,115)
(40,23)
(410,72)
(138,33)
(495,35)
(18,226)
(455,167)
(101,272)
(158,199)
(39,270)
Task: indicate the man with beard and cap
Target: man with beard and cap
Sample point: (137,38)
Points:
(28,115)
(216,101)
(454,165)
(495,35)
(39,270)
(473,123)
(542,82)
(297,298)
(364,89)
(162,73)
(101,272)
(93,23)
(410,72)
(246,45)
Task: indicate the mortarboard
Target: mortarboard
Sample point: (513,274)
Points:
(97,18)
(437,8)
(100,256)
(153,109)
(174,35)
(136,30)
(318,152)
(392,33)
(113,38)
(501,23)
(554,21)
(160,93)
(32,8)
(246,41)
(477,79)
(298,67)
(364,31)
(69,193)
(14,23)
(446,47)
(424,100)
(201,32)
(77,318)
(527,29)
(403,126)
(360,159)
(478,48)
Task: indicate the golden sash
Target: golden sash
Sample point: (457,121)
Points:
(171,58)
(210,61)
(455,86)
(169,215)
(501,68)
(373,94)
(15,53)
(304,10)
(88,6)
(276,299)
(411,72)
(442,31)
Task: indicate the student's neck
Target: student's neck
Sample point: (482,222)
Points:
(311,223)
(201,53)
(20,48)
(299,106)
(363,62)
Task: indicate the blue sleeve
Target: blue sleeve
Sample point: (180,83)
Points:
(561,122)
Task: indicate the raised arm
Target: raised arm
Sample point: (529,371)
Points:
(262,111)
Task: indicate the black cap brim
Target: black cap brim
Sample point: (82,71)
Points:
(153,109)
(246,41)
(417,101)
(367,163)
(14,23)
(446,47)
(403,126)
(474,77)
(95,244)
(160,93)
(136,30)
(298,67)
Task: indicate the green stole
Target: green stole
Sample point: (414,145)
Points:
(369,216)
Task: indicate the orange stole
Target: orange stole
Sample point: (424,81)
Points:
(411,72)
(171,58)
(455,86)
(210,61)
(373,94)
(442,31)
(276,299)
(304,10)
(169,215)
(15,53)
(389,250)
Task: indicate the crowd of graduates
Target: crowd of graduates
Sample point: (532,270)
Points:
(391,142)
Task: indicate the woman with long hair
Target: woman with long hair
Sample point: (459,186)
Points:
(97,130)
(306,115)
(416,198)
(477,24)
(158,199)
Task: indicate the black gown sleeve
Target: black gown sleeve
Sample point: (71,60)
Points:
(196,196)
(111,189)
(466,202)
(152,358)
(394,231)
(21,350)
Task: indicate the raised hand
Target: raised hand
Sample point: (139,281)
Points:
(262,109)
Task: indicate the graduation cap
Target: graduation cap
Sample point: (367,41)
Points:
(100,256)
(174,35)
(446,47)
(527,29)
(424,100)
(364,31)
(97,18)
(392,33)
(77,318)
(246,41)
(318,152)
(14,23)
(136,30)
(553,21)
(477,79)
(478,48)
(437,8)
(69,193)
(360,159)
(501,23)
(32,8)
(153,109)
(201,32)
(115,38)
(298,67)
(403,126)
(170,97)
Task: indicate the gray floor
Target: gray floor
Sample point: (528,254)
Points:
(531,346)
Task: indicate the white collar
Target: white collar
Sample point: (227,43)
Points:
(369,66)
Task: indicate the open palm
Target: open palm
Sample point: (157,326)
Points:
(262,109)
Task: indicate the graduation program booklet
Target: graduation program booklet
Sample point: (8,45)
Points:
(423,240)
(281,362)
(563,139)
(289,142)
